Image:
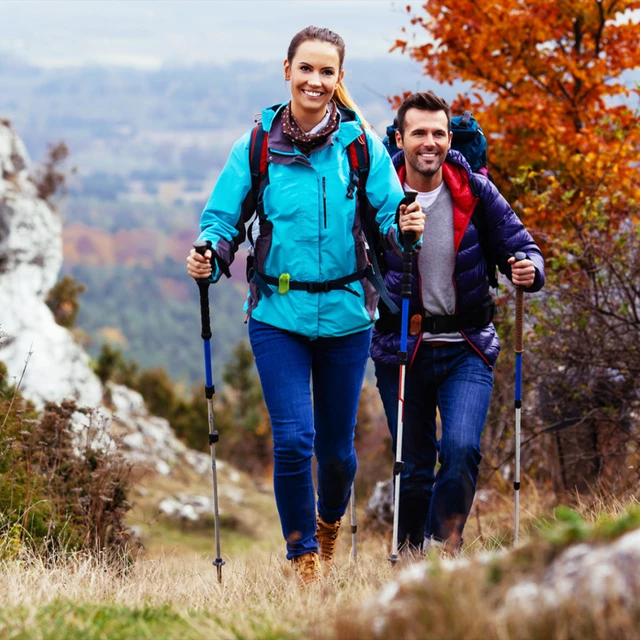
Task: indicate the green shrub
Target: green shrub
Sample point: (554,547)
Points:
(55,492)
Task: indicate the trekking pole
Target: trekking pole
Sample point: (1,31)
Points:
(203,285)
(398,465)
(354,524)
(518,401)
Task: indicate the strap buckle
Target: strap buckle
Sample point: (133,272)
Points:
(319,287)
(354,180)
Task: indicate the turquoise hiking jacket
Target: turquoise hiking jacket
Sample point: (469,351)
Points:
(311,229)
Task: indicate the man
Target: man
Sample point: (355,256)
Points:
(452,344)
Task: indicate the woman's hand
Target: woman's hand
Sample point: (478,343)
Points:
(412,219)
(198,266)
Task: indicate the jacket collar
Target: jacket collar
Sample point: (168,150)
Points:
(349,128)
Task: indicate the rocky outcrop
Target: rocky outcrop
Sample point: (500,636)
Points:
(30,261)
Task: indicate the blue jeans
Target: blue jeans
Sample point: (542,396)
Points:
(458,382)
(287,363)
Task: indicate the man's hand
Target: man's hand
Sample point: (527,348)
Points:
(412,219)
(199,267)
(523,272)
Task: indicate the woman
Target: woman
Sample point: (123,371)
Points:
(311,310)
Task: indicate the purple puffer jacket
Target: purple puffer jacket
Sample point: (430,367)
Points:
(506,235)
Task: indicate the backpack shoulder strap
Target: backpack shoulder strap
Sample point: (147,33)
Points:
(258,165)
(258,158)
(479,219)
(359,164)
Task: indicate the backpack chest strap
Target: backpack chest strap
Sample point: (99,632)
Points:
(263,281)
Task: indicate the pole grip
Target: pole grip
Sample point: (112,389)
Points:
(201,247)
(408,239)
(519,324)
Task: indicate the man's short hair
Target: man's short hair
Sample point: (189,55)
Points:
(425,101)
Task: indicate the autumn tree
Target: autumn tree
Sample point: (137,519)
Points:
(549,81)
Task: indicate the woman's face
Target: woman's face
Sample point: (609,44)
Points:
(314,73)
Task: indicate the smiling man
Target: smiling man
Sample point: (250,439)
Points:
(453,343)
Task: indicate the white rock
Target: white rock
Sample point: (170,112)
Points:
(380,506)
(30,261)
(601,574)
(187,507)
(234,494)
(200,462)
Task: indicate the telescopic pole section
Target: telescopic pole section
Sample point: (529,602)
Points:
(203,285)
(398,465)
(518,348)
(354,525)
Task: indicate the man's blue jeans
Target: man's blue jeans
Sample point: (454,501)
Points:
(287,363)
(456,381)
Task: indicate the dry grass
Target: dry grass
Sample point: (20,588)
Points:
(171,591)
(259,596)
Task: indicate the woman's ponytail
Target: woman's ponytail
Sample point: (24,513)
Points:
(342,98)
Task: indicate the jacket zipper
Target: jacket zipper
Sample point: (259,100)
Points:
(324,200)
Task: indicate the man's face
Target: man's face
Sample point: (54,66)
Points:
(426,140)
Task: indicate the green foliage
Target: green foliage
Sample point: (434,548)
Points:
(608,527)
(112,365)
(63,620)
(63,301)
(569,526)
(5,388)
(157,389)
(189,419)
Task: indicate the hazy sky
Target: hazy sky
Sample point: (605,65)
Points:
(148,33)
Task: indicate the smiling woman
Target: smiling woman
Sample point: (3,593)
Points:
(310,304)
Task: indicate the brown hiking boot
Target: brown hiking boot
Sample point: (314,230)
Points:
(307,568)
(327,535)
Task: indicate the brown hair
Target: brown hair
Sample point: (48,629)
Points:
(341,95)
(426,101)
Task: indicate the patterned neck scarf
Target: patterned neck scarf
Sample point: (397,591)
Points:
(307,142)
